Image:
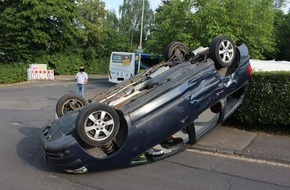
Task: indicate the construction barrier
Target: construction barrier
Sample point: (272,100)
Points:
(36,74)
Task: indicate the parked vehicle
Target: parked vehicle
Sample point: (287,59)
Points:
(125,65)
(156,114)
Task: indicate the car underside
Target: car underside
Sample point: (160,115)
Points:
(153,115)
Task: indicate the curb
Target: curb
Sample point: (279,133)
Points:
(244,154)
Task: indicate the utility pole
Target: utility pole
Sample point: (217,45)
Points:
(141,35)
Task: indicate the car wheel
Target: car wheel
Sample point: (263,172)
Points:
(69,102)
(222,51)
(97,124)
(175,51)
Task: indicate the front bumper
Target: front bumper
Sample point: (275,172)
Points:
(66,154)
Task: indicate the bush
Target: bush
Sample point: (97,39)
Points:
(62,64)
(65,64)
(69,64)
(98,66)
(268,102)
(12,73)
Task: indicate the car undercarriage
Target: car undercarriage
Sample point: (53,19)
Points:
(156,114)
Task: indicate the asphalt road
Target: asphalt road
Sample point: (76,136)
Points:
(26,107)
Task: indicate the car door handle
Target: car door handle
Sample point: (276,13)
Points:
(184,119)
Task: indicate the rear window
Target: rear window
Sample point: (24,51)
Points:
(121,58)
(64,125)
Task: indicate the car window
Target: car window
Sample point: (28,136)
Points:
(65,125)
(120,58)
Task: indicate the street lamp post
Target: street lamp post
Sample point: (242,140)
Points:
(141,35)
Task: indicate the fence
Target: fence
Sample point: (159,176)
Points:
(39,72)
(36,74)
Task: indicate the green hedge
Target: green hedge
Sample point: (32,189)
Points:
(267,103)
(61,64)
(69,65)
(12,73)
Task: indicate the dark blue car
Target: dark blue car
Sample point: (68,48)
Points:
(155,114)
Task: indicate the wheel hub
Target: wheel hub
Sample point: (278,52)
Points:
(226,51)
(99,126)
(71,105)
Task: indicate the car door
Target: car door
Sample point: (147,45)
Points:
(203,92)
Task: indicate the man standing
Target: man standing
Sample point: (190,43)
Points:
(82,79)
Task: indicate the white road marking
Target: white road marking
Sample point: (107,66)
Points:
(241,158)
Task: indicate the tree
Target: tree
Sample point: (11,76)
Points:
(30,28)
(282,27)
(98,36)
(91,24)
(242,20)
(173,22)
(114,39)
(198,22)
(130,19)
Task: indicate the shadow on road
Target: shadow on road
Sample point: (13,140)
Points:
(29,149)
(100,83)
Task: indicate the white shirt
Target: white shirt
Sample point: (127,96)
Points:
(81,77)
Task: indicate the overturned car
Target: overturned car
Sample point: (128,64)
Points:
(155,114)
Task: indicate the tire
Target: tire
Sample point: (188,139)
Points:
(97,124)
(222,51)
(69,102)
(176,51)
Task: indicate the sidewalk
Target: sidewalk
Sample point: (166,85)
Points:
(257,145)
(58,79)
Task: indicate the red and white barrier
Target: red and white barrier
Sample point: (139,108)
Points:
(36,74)
(50,74)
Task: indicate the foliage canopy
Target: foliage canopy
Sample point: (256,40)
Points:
(198,22)
(69,33)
